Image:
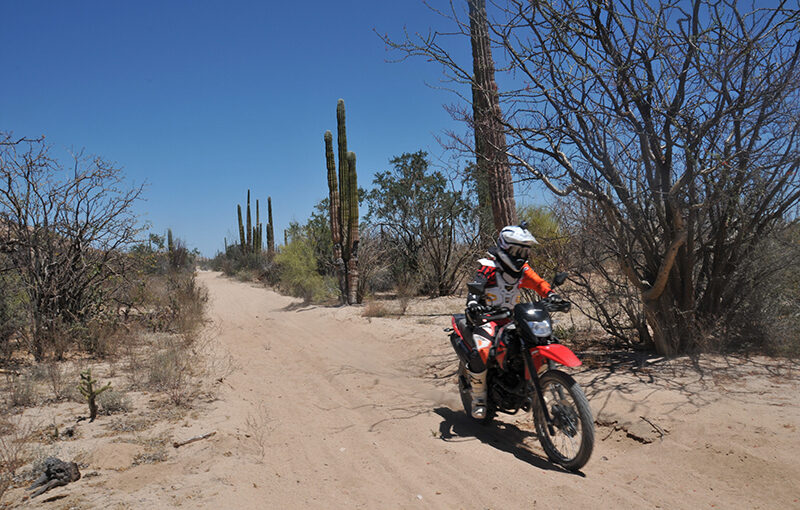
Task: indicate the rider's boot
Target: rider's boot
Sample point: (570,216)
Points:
(478,382)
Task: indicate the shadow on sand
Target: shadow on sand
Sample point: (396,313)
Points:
(507,437)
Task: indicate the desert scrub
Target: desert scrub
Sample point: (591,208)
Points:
(176,304)
(298,272)
(21,391)
(14,452)
(169,370)
(113,401)
(375,309)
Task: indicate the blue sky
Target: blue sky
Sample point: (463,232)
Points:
(203,100)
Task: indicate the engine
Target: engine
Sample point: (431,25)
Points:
(508,386)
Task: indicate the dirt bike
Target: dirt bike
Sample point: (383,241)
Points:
(521,354)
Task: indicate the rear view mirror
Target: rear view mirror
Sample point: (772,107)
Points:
(559,279)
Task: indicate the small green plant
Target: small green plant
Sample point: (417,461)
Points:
(90,393)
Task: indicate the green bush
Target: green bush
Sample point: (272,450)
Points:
(298,274)
(550,254)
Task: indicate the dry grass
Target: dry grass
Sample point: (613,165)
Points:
(21,391)
(14,451)
(257,427)
(376,309)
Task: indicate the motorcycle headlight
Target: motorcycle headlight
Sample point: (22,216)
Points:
(541,328)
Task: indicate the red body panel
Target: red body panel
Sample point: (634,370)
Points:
(557,353)
(455,327)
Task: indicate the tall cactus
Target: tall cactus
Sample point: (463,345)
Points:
(344,182)
(335,215)
(249,225)
(343,205)
(270,232)
(352,233)
(256,230)
(242,243)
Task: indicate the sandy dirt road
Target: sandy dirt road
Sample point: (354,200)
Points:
(364,413)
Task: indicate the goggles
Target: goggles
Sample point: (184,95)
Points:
(519,252)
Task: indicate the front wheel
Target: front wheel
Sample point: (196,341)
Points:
(572,442)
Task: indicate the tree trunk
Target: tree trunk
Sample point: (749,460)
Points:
(490,139)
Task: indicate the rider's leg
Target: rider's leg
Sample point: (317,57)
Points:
(477,380)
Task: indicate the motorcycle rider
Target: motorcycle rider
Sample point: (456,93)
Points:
(501,276)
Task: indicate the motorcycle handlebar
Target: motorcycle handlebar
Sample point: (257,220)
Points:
(492,314)
(562,305)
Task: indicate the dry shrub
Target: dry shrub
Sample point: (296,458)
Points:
(21,391)
(176,304)
(113,401)
(375,309)
(407,288)
(258,426)
(61,381)
(170,367)
(14,453)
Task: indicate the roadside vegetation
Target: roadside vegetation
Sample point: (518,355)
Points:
(674,183)
(93,311)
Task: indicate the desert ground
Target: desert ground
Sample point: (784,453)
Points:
(323,407)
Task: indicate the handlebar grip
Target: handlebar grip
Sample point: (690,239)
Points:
(496,317)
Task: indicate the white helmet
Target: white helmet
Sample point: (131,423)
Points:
(513,248)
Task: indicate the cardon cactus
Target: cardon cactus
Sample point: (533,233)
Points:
(270,231)
(343,204)
(249,225)
(242,240)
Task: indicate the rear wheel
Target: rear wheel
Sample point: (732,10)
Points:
(572,442)
(465,390)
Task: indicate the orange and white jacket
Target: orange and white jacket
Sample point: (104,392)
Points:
(501,289)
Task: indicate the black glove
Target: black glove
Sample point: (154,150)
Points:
(556,303)
(474,311)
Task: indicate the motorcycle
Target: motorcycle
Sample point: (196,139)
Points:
(521,354)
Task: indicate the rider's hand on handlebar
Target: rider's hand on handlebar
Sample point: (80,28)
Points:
(474,311)
(553,297)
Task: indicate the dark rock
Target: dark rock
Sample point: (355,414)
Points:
(56,474)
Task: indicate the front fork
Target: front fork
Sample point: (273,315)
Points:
(538,387)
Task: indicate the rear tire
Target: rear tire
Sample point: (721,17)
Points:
(573,441)
(465,390)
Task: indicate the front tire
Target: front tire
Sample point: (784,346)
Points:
(572,443)
(465,390)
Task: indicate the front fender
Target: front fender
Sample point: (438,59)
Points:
(558,353)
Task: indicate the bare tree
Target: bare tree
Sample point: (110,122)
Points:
(65,232)
(678,122)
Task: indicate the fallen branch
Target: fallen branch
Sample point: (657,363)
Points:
(178,444)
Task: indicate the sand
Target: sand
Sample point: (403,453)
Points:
(330,409)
